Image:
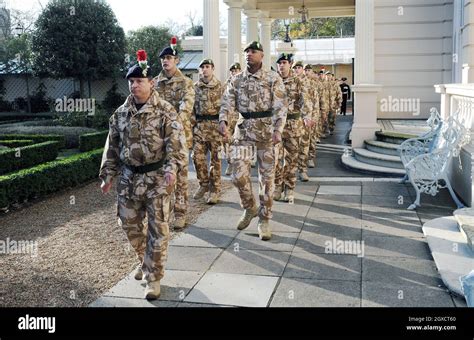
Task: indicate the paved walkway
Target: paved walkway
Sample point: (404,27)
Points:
(348,241)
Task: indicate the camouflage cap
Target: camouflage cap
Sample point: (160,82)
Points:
(254,45)
(308,67)
(235,66)
(298,63)
(285,56)
(206,62)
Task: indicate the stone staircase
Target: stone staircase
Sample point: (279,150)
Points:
(451,243)
(378,157)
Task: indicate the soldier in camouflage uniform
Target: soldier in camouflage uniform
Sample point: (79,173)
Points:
(336,101)
(144,147)
(299,117)
(323,112)
(178,90)
(260,98)
(308,132)
(234,70)
(206,132)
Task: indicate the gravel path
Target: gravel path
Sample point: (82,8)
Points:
(81,252)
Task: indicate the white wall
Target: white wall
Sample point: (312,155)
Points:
(413,51)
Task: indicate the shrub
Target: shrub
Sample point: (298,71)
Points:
(37,138)
(28,156)
(70,133)
(92,141)
(16,143)
(113,99)
(20,104)
(39,101)
(49,178)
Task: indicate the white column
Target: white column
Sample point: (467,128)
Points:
(252,24)
(212,33)
(234,31)
(365,91)
(468,40)
(265,40)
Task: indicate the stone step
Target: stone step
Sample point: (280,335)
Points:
(449,249)
(353,164)
(378,159)
(392,137)
(382,147)
(465,219)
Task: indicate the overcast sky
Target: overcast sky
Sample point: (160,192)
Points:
(133,14)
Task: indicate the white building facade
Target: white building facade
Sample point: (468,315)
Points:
(403,49)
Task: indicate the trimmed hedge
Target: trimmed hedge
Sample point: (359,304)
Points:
(16,143)
(28,156)
(61,139)
(49,178)
(92,141)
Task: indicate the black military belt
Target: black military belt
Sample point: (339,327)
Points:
(146,168)
(207,117)
(293,116)
(256,115)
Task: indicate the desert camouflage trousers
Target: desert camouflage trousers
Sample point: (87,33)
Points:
(309,134)
(181,195)
(287,164)
(150,244)
(332,121)
(208,178)
(242,153)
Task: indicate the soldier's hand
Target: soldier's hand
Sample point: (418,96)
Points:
(276,138)
(105,187)
(170,179)
(309,123)
(223,130)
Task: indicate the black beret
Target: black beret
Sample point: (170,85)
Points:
(137,72)
(285,56)
(298,63)
(235,66)
(344,79)
(169,51)
(206,62)
(254,45)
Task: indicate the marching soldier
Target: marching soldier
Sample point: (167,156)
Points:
(336,100)
(178,90)
(346,95)
(323,113)
(313,93)
(234,70)
(260,98)
(206,133)
(299,118)
(144,147)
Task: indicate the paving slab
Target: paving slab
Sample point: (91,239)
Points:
(402,271)
(328,241)
(345,190)
(397,247)
(331,210)
(191,258)
(306,265)
(233,290)
(384,189)
(374,226)
(117,302)
(251,262)
(379,294)
(249,240)
(316,293)
(204,238)
(174,286)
